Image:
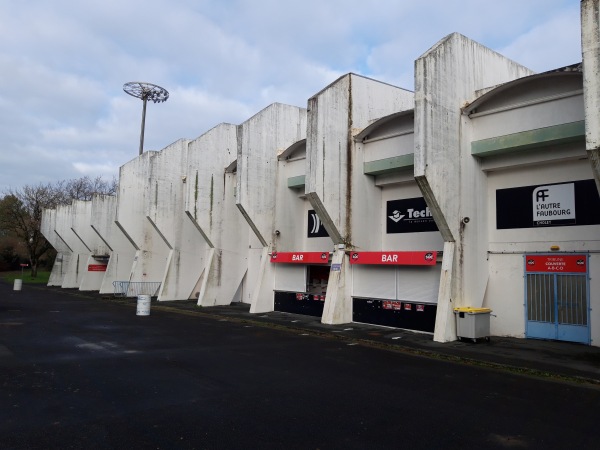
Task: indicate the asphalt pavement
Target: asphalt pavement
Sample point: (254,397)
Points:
(542,358)
(80,370)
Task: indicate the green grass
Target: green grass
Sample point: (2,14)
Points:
(42,276)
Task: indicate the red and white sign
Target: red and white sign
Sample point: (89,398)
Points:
(96,267)
(387,304)
(300,257)
(556,263)
(397,306)
(420,308)
(407,307)
(394,258)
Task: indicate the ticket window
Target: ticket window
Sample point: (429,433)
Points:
(317,278)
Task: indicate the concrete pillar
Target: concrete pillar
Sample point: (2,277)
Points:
(337,114)
(260,138)
(217,223)
(451,181)
(590,48)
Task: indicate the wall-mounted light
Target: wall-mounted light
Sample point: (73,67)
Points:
(277,232)
(554,248)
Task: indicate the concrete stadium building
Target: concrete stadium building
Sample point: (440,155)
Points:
(379,205)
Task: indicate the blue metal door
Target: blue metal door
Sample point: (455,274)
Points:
(557,305)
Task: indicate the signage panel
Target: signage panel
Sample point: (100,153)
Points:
(300,257)
(550,205)
(96,267)
(394,258)
(315,227)
(410,215)
(556,263)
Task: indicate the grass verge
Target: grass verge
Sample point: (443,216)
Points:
(42,276)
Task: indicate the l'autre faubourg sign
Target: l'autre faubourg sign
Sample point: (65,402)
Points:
(549,205)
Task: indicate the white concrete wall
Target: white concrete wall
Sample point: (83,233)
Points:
(446,77)
(335,184)
(63,252)
(77,265)
(505,293)
(333,173)
(81,226)
(165,214)
(118,247)
(219,233)
(260,139)
(590,36)
(136,193)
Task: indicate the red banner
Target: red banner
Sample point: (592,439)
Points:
(556,263)
(394,258)
(96,267)
(300,257)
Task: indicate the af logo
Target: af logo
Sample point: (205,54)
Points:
(396,216)
(580,262)
(428,256)
(355,256)
(324,256)
(274,255)
(530,262)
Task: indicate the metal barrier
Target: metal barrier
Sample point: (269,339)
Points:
(135,288)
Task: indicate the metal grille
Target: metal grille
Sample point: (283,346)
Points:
(540,297)
(135,288)
(553,296)
(572,299)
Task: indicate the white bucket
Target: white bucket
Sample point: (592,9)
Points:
(143,305)
(18,284)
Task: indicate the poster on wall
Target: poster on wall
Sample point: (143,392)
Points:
(315,226)
(409,215)
(549,205)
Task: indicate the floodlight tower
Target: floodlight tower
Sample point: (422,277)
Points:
(145,91)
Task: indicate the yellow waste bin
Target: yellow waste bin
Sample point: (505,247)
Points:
(472,323)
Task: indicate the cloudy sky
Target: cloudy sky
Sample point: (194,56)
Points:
(63,64)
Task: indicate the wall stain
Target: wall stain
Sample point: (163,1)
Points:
(196,198)
(349,163)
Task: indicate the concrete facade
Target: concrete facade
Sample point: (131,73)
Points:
(260,139)
(449,171)
(134,199)
(119,249)
(446,77)
(335,186)
(220,229)
(63,251)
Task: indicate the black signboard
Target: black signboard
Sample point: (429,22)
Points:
(315,226)
(549,205)
(410,215)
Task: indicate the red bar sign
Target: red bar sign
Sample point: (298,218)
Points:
(394,258)
(300,257)
(556,263)
(96,267)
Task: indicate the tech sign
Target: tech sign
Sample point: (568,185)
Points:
(410,215)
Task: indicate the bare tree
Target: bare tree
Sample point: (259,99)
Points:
(21,210)
(21,215)
(85,188)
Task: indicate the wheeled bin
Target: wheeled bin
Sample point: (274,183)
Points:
(472,323)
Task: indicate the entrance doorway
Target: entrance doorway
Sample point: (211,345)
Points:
(557,297)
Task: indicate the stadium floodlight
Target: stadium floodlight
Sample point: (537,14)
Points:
(145,92)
